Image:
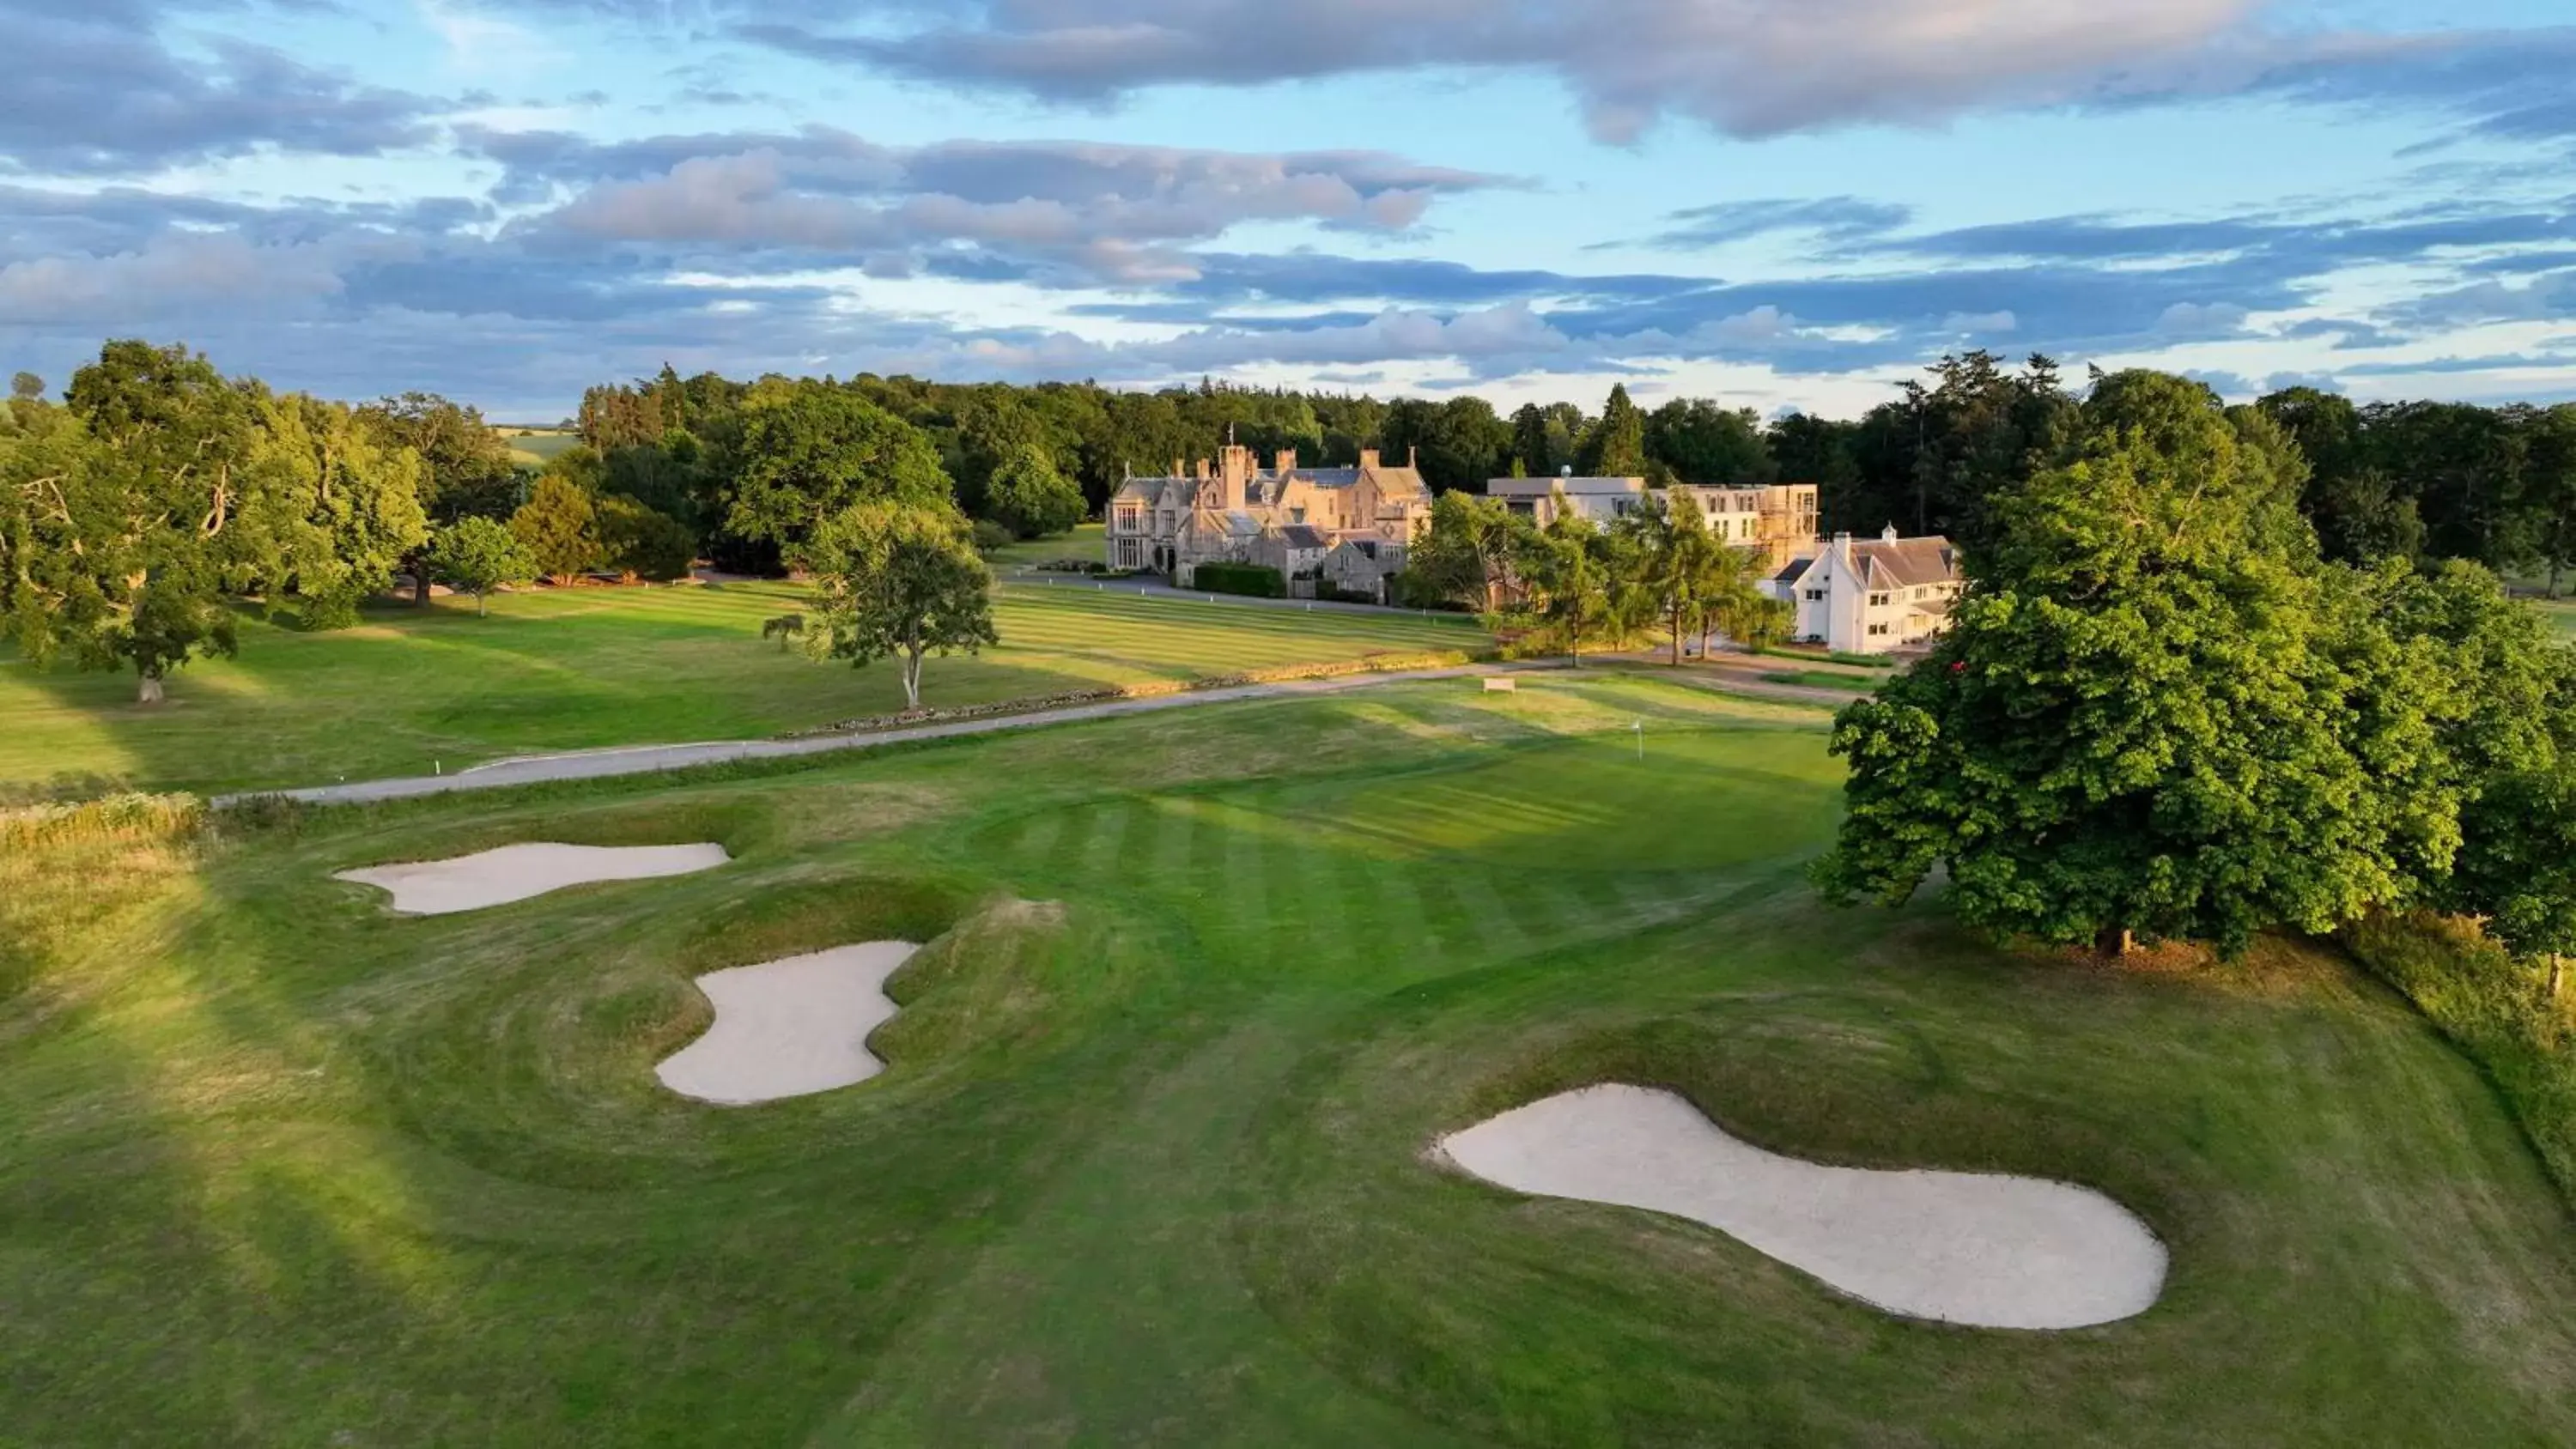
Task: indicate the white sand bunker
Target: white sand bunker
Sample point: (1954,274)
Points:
(788,1028)
(1977,1248)
(516,872)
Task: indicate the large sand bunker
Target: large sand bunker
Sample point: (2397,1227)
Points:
(516,872)
(1984,1249)
(791,1027)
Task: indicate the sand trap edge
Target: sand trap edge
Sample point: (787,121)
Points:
(508,874)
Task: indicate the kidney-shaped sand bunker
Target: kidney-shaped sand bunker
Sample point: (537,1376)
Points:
(789,1028)
(1974,1248)
(516,872)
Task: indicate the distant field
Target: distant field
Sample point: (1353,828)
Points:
(537,445)
(571,669)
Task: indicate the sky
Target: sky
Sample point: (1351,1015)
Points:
(1778,203)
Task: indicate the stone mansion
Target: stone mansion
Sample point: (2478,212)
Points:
(1350,526)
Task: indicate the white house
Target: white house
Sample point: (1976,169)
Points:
(1874,596)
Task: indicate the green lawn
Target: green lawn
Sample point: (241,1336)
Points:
(412,690)
(1084,542)
(1824,679)
(1148,1165)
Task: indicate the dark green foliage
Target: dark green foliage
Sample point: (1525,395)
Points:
(1615,447)
(1929,462)
(1026,495)
(810,450)
(637,540)
(1457,444)
(558,527)
(1251,580)
(1701,442)
(2156,712)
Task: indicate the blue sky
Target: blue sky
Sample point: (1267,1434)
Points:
(1776,202)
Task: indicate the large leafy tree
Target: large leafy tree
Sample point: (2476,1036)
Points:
(2158,712)
(1029,497)
(811,450)
(639,542)
(476,555)
(1692,580)
(1570,581)
(558,526)
(137,510)
(900,581)
(1473,552)
(349,504)
(468,471)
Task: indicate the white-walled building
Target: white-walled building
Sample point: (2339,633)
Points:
(1873,596)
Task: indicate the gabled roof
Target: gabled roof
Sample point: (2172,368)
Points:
(1304,535)
(1906,562)
(1796,570)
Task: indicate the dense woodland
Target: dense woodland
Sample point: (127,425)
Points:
(155,487)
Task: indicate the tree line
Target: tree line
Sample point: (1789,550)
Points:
(159,497)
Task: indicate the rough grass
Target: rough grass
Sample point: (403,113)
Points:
(2498,1011)
(1148,1165)
(413,690)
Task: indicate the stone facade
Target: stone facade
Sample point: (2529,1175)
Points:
(1285,517)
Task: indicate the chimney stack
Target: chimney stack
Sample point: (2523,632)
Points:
(1368,458)
(1286,462)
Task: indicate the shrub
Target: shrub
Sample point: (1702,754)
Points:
(990,536)
(1251,580)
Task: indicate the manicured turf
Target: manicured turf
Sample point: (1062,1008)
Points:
(1825,679)
(410,690)
(1148,1164)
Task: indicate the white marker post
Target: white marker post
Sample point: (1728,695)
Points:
(1640,728)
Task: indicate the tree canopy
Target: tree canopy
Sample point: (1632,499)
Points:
(475,555)
(810,451)
(900,581)
(2159,710)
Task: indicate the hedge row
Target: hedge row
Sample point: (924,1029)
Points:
(1251,580)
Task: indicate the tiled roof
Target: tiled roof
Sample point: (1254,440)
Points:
(1303,535)
(1796,570)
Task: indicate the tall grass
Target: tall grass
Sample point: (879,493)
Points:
(121,818)
(2498,1012)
